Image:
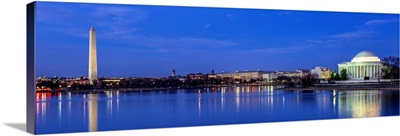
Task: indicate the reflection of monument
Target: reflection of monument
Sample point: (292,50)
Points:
(356,104)
(364,64)
(92,106)
(92,56)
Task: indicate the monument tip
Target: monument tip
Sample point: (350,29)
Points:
(92,28)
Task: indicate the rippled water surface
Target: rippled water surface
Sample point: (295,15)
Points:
(117,110)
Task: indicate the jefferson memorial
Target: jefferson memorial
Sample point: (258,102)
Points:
(364,64)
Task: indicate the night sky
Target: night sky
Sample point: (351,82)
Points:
(150,41)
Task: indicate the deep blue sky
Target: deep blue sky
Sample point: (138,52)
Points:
(150,41)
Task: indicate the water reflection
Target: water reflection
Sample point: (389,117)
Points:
(64,112)
(334,99)
(359,103)
(92,106)
(109,95)
(238,99)
(59,107)
(69,98)
(223,89)
(117,100)
(199,102)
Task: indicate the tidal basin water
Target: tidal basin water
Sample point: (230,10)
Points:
(118,110)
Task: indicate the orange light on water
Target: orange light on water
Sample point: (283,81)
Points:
(38,96)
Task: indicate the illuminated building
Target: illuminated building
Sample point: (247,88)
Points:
(321,73)
(243,75)
(196,76)
(111,81)
(262,75)
(191,76)
(364,64)
(268,76)
(302,72)
(92,56)
(212,75)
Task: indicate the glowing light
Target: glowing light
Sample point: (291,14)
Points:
(59,97)
(38,95)
(366,59)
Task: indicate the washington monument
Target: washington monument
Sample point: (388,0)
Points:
(92,56)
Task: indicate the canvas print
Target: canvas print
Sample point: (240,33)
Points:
(100,67)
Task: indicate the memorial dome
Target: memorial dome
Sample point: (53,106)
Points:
(365,56)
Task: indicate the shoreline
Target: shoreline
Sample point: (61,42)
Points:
(313,88)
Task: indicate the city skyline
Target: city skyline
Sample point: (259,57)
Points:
(150,41)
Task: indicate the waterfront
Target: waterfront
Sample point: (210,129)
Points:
(117,110)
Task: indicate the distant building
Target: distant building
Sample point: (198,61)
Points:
(76,80)
(364,64)
(42,83)
(243,75)
(302,72)
(269,76)
(173,73)
(212,75)
(111,81)
(321,73)
(196,76)
(182,78)
(191,76)
(297,73)
(266,76)
(200,76)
